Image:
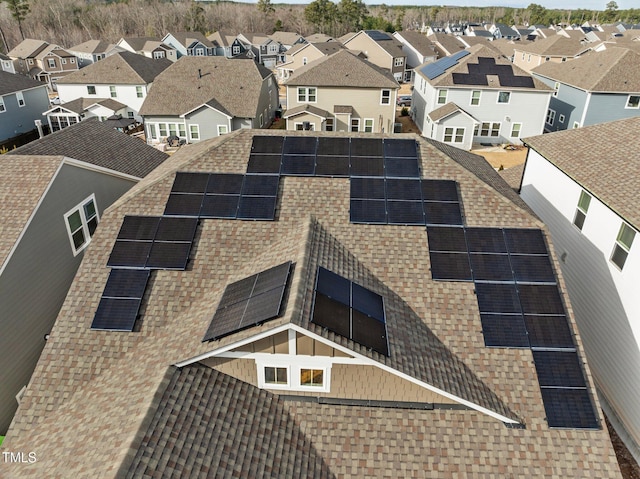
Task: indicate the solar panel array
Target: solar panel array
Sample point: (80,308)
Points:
(350,310)
(121,299)
(439,67)
(520,307)
(487,66)
(250,301)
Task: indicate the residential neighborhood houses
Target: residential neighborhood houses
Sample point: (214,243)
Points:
(459,305)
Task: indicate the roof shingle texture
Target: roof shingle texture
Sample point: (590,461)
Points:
(419,41)
(556,45)
(95,143)
(11,83)
(232,86)
(28,47)
(92,46)
(187,38)
(123,68)
(602,158)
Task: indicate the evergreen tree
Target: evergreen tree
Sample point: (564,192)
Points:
(19,10)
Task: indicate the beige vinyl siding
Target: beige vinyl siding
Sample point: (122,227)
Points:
(375,54)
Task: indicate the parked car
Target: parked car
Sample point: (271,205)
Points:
(404,100)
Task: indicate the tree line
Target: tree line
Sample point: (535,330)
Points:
(69,22)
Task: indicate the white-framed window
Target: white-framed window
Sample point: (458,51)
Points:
(162,129)
(129,114)
(51,62)
(453,135)
(81,223)
(58,122)
(308,126)
(385,97)
(355,124)
(561,118)
(113,92)
(30,61)
(304,60)
(633,101)
(556,87)
(139,92)
(64,61)
(2,107)
(307,94)
(152,131)
(235,50)
(20,99)
(620,252)
(73,60)
(368,125)
(487,129)
(182,130)
(328,124)
(157,55)
(91,89)
(515,130)
(310,375)
(199,52)
(194,132)
(276,376)
(442,97)
(504,96)
(398,62)
(173,129)
(222,130)
(581,211)
(475,97)
(551,117)
(576,125)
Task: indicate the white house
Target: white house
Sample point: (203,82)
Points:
(583,184)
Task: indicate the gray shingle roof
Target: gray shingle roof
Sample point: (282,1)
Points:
(92,46)
(602,158)
(306,108)
(11,83)
(419,41)
(187,38)
(233,86)
(123,68)
(92,142)
(556,45)
(138,43)
(28,47)
(80,105)
(342,69)
(445,110)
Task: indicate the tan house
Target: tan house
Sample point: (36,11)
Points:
(42,61)
(558,48)
(381,49)
(303,53)
(341,92)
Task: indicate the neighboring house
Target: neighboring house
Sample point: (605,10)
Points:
(200,98)
(228,45)
(417,47)
(24,54)
(446,45)
(319,38)
(125,77)
(54,192)
(311,345)
(595,88)
(22,101)
(381,49)
(42,61)
(341,92)
(75,111)
(149,47)
(305,53)
(583,183)
(558,48)
(92,51)
(505,102)
(500,30)
(268,52)
(287,39)
(193,44)
(6,64)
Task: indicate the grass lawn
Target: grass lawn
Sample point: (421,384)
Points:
(1,439)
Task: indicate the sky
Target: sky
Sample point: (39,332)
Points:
(550,4)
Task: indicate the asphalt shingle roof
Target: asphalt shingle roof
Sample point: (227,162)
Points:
(11,83)
(557,45)
(419,41)
(187,38)
(28,47)
(79,105)
(92,46)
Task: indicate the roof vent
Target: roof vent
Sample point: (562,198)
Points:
(199,73)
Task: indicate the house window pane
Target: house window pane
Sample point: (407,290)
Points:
(194,132)
(112,91)
(312,94)
(475,97)
(222,130)
(484,131)
(328,126)
(75,221)
(442,97)
(275,375)
(619,256)
(368,125)
(152,131)
(355,124)
(163,129)
(385,98)
(515,130)
(495,129)
(459,135)
(626,236)
(579,219)
(182,132)
(302,94)
(311,377)
(584,201)
(448,135)
(78,238)
(503,97)
(91,89)
(173,130)
(139,91)
(633,102)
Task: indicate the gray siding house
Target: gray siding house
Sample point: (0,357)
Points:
(198,98)
(66,181)
(598,87)
(22,100)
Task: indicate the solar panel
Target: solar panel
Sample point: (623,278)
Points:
(401,167)
(367,188)
(405,212)
(490,267)
(559,369)
(525,241)
(267,164)
(497,298)
(257,208)
(126,283)
(469,79)
(369,147)
(129,254)
(187,182)
(528,268)
(300,145)
(377,35)
(176,229)
(446,238)
(369,332)
(440,190)
(267,144)
(332,315)
(368,211)
(504,330)
(442,213)
(540,299)
(298,165)
(398,148)
(332,166)
(260,185)
(334,286)
(262,307)
(121,299)
(437,68)
(168,255)
(450,266)
(220,206)
(486,240)
(367,166)
(271,278)
(570,408)
(226,183)
(549,331)
(367,302)
(138,228)
(333,146)
(180,204)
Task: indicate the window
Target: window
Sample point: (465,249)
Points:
(72,60)
(305,126)
(91,89)
(368,125)
(20,98)
(475,97)
(152,131)
(504,96)
(564,59)
(157,55)
(328,125)
(529,59)
(82,222)
(194,132)
(453,135)
(623,245)
(355,124)
(113,92)
(162,128)
(385,97)
(139,92)
(576,125)
(182,130)
(546,59)
(275,375)
(515,130)
(2,107)
(556,87)
(306,94)
(633,101)
(398,62)
(442,97)
(222,130)
(551,117)
(236,50)
(30,61)
(489,129)
(129,114)
(199,52)
(312,377)
(173,129)
(51,62)
(581,211)
(304,60)
(64,61)
(561,118)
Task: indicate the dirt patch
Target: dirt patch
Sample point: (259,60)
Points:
(628,465)
(498,156)
(408,126)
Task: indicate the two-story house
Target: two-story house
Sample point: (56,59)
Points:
(198,98)
(150,47)
(417,47)
(583,184)
(558,48)
(287,39)
(228,45)
(478,96)
(24,54)
(22,101)
(303,54)
(189,43)
(42,61)
(6,64)
(341,92)
(595,88)
(92,51)
(267,51)
(125,77)
(383,50)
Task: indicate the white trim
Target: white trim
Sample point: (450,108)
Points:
(627,107)
(306,94)
(351,130)
(84,223)
(190,133)
(294,366)
(197,108)
(471,98)
(364,125)
(4,107)
(225,132)
(519,130)
(586,107)
(99,169)
(551,114)
(454,134)
(389,97)
(20,98)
